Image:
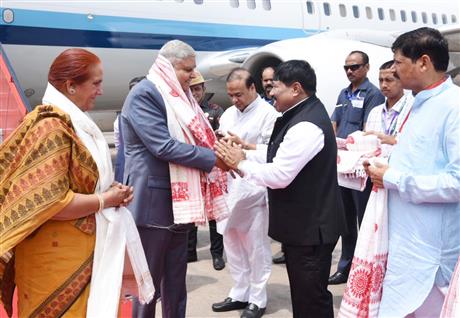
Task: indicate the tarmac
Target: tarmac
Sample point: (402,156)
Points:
(206,286)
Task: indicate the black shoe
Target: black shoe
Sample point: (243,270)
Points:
(191,258)
(228,304)
(252,311)
(279,258)
(218,263)
(338,278)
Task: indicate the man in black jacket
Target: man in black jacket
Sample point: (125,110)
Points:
(305,207)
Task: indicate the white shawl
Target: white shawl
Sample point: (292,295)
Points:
(115,227)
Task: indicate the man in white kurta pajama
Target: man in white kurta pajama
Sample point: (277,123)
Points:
(423,179)
(246,241)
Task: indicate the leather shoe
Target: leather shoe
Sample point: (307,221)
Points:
(279,258)
(338,278)
(252,311)
(218,263)
(228,304)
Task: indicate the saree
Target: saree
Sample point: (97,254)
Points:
(42,164)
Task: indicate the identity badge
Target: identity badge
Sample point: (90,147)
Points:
(357,103)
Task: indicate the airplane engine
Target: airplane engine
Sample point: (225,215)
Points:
(327,57)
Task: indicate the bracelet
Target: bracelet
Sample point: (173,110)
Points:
(101,202)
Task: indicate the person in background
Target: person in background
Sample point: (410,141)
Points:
(385,120)
(423,181)
(118,139)
(211,110)
(213,113)
(351,112)
(267,83)
(51,171)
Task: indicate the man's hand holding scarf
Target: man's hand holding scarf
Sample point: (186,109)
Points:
(375,171)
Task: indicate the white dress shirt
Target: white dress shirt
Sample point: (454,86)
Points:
(301,143)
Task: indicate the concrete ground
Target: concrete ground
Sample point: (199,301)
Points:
(206,286)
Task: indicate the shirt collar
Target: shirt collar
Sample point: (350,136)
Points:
(252,105)
(362,87)
(294,106)
(398,106)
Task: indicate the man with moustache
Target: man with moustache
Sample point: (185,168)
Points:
(267,83)
(351,112)
(299,169)
(423,181)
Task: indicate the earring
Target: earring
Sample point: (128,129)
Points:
(72,91)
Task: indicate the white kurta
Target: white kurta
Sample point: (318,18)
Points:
(246,241)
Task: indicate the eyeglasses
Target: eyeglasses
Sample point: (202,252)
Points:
(352,67)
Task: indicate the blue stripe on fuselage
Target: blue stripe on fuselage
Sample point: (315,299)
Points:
(31,27)
(102,39)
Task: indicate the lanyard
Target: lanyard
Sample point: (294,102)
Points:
(390,130)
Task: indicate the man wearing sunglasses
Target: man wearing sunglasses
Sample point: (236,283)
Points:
(353,107)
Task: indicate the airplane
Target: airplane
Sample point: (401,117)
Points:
(127,35)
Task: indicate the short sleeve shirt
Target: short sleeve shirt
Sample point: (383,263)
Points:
(353,108)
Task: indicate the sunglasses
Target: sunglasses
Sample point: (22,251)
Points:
(352,67)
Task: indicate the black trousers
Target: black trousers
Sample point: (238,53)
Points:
(354,203)
(308,269)
(217,243)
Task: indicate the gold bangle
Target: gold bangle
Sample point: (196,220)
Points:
(101,202)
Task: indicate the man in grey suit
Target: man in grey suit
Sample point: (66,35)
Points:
(150,150)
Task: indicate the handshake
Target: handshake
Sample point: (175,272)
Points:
(229,150)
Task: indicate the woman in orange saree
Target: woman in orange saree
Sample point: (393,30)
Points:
(48,202)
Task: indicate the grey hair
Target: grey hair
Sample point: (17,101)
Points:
(176,50)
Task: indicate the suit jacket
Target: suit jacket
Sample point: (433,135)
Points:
(148,149)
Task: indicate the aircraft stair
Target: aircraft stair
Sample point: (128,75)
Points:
(13,104)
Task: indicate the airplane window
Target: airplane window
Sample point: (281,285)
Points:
(267,5)
(424,18)
(234,3)
(403,16)
(381,13)
(342,10)
(369,12)
(251,4)
(198,1)
(310,7)
(453,18)
(355,11)
(414,16)
(435,18)
(392,15)
(444,19)
(327,8)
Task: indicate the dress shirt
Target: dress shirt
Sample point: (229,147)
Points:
(423,182)
(389,121)
(301,143)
